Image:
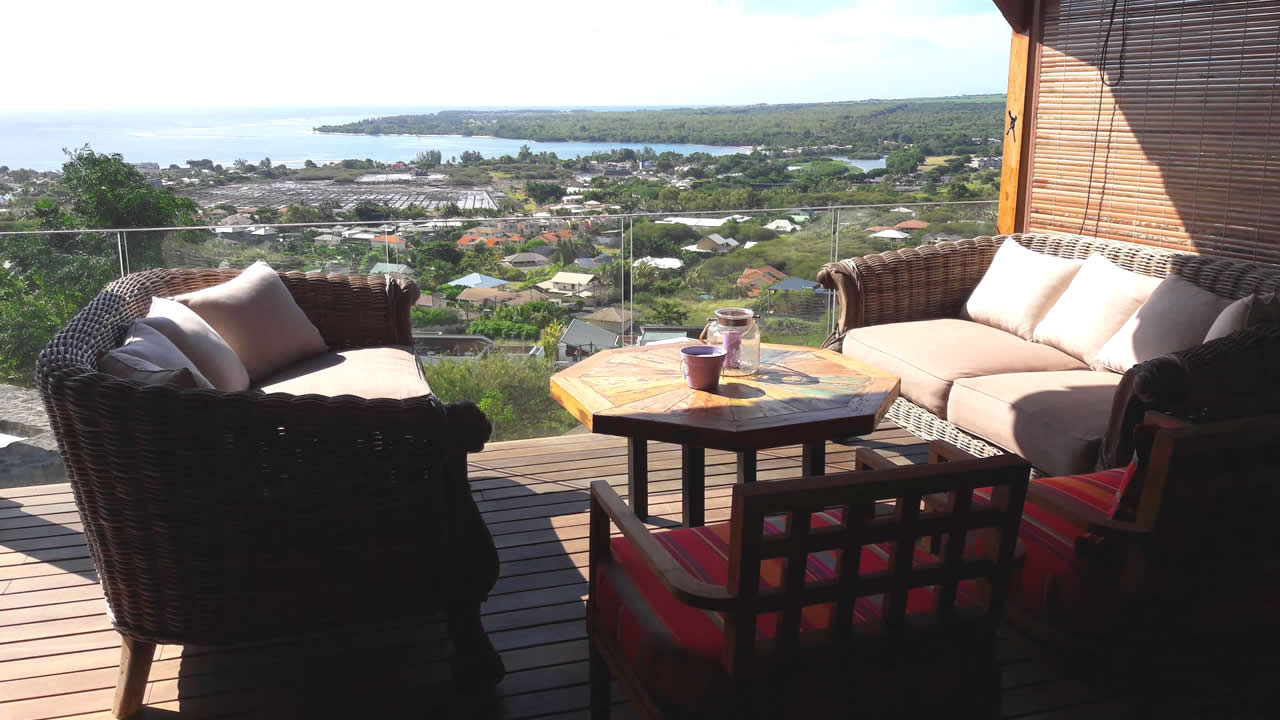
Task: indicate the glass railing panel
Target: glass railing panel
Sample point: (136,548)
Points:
(45,279)
(507,302)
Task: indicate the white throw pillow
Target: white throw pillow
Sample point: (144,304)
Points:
(1018,289)
(1098,301)
(1249,310)
(199,342)
(148,357)
(1175,317)
(258,317)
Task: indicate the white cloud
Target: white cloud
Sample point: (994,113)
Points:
(148,53)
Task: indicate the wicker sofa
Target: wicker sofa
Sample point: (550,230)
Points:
(1059,430)
(224,517)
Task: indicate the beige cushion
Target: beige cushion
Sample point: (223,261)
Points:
(1249,310)
(259,319)
(1019,288)
(1098,301)
(390,371)
(1175,317)
(148,357)
(929,355)
(199,342)
(1055,420)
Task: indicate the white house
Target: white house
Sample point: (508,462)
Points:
(570,283)
(661,263)
(782,226)
(694,222)
(891,235)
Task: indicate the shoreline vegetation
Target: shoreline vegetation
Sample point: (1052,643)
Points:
(326,130)
(863,126)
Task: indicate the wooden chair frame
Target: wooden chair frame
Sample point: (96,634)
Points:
(857,494)
(1146,554)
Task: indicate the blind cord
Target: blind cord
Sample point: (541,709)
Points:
(1097,120)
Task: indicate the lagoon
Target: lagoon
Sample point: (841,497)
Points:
(35,140)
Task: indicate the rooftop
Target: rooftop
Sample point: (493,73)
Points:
(478,280)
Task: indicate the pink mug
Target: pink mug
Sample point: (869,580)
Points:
(700,365)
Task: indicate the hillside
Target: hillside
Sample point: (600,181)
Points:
(864,125)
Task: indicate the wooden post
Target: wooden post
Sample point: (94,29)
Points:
(693,487)
(638,476)
(1019,126)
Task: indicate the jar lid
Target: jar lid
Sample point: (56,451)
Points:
(734,317)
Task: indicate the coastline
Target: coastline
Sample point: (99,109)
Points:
(746,149)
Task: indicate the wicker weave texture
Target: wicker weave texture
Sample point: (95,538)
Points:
(217,517)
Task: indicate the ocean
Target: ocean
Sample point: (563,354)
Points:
(36,140)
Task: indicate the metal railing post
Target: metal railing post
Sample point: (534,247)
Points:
(120,252)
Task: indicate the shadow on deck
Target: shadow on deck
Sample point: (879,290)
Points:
(58,653)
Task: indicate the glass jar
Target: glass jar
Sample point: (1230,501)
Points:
(737,331)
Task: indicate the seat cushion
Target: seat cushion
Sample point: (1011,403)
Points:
(1051,576)
(929,355)
(1055,420)
(258,317)
(676,650)
(388,371)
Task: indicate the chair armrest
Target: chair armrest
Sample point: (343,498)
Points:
(1118,529)
(1232,377)
(931,281)
(607,505)
(356,310)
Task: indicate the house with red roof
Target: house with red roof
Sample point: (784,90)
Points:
(763,276)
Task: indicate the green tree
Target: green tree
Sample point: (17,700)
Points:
(543,192)
(666,312)
(46,279)
(427,159)
(904,161)
(550,339)
(500,413)
(523,385)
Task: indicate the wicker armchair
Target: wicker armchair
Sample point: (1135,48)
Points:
(216,517)
(934,281)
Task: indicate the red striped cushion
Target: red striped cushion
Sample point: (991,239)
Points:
(677,650)
(1092,493)
(1050,577)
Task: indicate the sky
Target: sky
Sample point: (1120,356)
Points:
(141,54)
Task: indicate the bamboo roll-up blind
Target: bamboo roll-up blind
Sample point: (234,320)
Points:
(1176,142)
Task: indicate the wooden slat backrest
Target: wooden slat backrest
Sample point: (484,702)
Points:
(857,496)
(1155,122)
(1211,492)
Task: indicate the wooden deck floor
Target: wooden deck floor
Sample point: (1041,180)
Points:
(58,653)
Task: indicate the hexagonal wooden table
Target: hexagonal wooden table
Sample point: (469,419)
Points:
(801,395)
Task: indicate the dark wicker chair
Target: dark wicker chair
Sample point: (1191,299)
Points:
(217,518)
(934,281)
